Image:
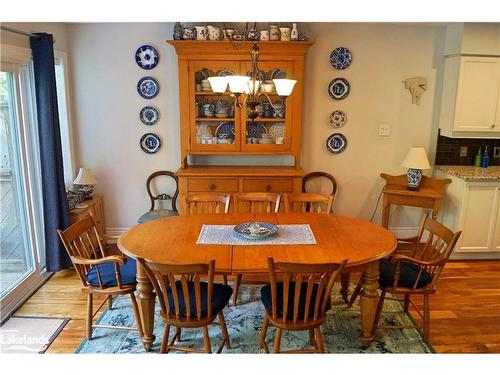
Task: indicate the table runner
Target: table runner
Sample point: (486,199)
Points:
(288,234)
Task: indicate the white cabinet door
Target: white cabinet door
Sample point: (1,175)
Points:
(478,95)
(478,218)
(496,237)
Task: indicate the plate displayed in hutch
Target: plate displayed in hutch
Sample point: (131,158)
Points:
(149,115)
(338,118)
(339,88)
(150,143)
(336,143)
(148,87)
(146,57)
(341,58)
(225,130)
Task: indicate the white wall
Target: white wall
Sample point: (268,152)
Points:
(107,105)
(59,30)
(106,110)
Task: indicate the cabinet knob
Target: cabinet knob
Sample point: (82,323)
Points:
(269,188)
(492,126)
(213,187)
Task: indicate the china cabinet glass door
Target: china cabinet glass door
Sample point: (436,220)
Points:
(272,130)
(214,119)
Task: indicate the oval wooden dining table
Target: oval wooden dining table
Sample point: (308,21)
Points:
(173,240)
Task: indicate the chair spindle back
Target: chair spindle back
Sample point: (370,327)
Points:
(257,202)
(207,203)
(162,196)
(308,202)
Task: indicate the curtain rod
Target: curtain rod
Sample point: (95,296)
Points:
(31,35)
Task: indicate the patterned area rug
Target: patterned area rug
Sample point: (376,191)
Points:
(341,331)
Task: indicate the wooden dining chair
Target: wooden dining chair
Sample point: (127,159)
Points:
(253,202)
(100,272)
(299,302)
(155,212)
(308,202)
(188,302)
(319,176)
(417,273)
(206,203)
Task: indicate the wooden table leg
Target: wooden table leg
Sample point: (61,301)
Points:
(369,300)
(146,301)
(386,212)
(345,276)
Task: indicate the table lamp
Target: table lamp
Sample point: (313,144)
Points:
(415,161)
(85,180)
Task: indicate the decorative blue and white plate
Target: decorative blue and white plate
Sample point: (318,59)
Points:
(341,58)
(338,118)
(149,115)
(148,87)
(150,143)
(336,143)
(339,88)
(256,230)
(146,57)
(277,130)
(255,130)
(225,130)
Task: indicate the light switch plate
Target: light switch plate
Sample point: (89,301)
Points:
(496,152)
(384,130)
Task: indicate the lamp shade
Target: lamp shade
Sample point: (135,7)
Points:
(85,177)
(218,84)
(238,84)
(284,87)
(252,88)
(416,159)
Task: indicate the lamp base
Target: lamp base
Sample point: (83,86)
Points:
(414,177)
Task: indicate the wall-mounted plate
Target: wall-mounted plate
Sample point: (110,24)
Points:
(341,58)
(338,118)
(150,143)
(336,143)
(146,57)
(339,88)
(149,115)
(148,87)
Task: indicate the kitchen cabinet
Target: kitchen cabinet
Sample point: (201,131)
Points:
(474,208)
(470,102)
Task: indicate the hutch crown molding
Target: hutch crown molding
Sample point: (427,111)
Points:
(210,124)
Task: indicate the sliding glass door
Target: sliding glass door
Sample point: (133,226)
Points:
(22,263)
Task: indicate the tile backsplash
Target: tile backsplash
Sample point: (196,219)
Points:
(448,150)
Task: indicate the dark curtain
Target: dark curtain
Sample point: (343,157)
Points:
(55,204)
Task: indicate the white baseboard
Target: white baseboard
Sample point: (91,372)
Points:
(115,231)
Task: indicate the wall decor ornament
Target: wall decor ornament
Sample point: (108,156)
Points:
(416,86)
(336,143)
(146,57)
(150,143)
(339,88)
(148,87)
(149,115)
(338,118)
(341,58)
(177,31)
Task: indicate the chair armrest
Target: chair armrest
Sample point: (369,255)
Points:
(408,239)
(92,262)
(400,257)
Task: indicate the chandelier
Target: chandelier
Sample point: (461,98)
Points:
(252,87)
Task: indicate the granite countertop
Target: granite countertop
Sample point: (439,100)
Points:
(472,173)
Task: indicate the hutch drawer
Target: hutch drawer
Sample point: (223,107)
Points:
(213,184)
(275,185)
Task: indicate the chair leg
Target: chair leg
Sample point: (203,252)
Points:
(319,340)
(164,340)
(312,341)
(236,289)
(277,341)
(224,278)
(378,313)
(427,320)
(89,316)
(344,282)
(110,302)
(206,340)
(225,333)
(407,303)
(356,292)
(136,314)
(263,332)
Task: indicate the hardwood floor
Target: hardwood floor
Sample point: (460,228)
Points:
(464,311)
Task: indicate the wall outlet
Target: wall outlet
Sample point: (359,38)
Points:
(496,152)
(463,151)
(384,130)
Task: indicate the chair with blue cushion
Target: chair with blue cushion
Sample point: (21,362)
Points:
(101,272)
(299,302)
(187,301)
(415,273)
(159,213)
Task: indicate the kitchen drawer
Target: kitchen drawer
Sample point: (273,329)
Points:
(213,184)
(276,185)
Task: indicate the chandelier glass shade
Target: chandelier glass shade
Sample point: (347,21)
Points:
(252,87)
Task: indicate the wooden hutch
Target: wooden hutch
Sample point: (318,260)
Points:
(195,59)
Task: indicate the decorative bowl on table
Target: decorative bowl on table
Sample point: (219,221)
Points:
(256,230)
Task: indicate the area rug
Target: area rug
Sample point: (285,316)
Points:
(341,331)
(29,334)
